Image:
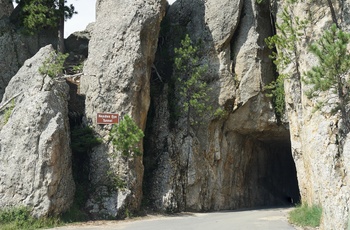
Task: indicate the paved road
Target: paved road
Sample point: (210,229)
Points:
(261,219)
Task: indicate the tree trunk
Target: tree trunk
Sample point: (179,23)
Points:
(342,103)
(60,45)
(334,17)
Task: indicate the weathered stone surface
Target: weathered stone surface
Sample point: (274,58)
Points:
(322,168)
(15,48)
(35,156)
(78,42)
(220,165)
(6,7)
(117,75)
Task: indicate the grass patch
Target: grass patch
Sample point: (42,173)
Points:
(303,215)
(20,219)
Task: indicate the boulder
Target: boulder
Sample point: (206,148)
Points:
(35,155)
(78,43)
(116,80)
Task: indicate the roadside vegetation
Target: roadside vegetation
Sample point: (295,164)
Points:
(306,216)
(21,219)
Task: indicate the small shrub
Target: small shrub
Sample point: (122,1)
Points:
(8,112)
(54,65)
(126,137)
(83,140)
(78,68)
(304,215)
(116,181)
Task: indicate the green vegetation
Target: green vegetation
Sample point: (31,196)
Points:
(41,14)
(284,53)
(330,75)
(83,140)
(192,89)
(78,68)
(8,112)
(116,181)
(20,219)
(36,15)
(126,137)
(54,65)
(306,216)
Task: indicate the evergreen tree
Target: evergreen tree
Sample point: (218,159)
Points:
(284,53)
(36,15)
(192,89)
(126,137)
(330,75)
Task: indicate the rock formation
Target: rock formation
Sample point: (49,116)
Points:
(221,164)
(16,47)
(6,7)
(322,166)
(35,156)
(117,76)
(78,42)
(245,156)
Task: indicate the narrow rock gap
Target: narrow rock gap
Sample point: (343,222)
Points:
(79,133)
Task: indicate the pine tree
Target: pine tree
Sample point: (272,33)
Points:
(42,14)
(284,53)
(192,89)
(330,75)
(126,137)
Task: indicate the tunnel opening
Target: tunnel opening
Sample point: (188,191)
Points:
(273,176)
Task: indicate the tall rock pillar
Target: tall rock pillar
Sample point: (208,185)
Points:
(117,74)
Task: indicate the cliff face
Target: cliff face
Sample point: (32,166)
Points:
(121,53)
(243,157)
(223,163)
(322,165)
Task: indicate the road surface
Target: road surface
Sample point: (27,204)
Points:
(261,219)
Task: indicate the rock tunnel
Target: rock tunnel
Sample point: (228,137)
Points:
(254,169)
(273,176)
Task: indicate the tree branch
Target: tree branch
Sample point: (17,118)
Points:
(155,69)
(8,101)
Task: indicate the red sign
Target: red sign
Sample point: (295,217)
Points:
(107,118)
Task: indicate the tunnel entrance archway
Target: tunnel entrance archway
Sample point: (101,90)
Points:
(276,176)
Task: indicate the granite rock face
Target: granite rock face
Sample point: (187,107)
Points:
(35,155)
(16,47)
(322,164)
(117,76)
(78,42)
(221,164)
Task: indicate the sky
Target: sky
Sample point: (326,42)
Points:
(86,14)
